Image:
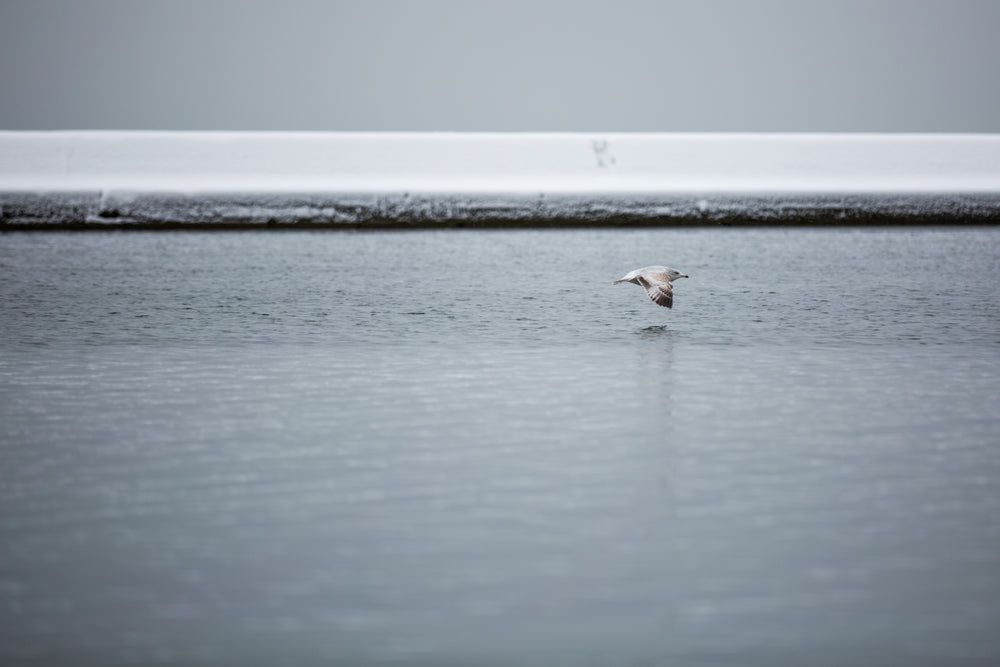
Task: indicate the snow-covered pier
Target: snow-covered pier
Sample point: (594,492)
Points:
(85,179)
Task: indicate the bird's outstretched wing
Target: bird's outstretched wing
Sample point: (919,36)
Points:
(659,290)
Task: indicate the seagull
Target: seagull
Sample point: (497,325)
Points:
(657,281)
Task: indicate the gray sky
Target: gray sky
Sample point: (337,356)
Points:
(727,65)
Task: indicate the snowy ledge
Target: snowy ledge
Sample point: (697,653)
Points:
(249,179)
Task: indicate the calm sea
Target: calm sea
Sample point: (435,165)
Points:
(469,448)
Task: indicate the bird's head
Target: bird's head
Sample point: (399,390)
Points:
(673,274)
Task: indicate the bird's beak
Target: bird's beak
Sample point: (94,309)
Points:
(683,276)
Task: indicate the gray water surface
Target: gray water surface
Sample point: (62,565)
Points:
(469,448)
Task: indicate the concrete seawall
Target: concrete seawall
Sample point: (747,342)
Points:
(100,180)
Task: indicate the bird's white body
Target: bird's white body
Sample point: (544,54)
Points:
(657,281)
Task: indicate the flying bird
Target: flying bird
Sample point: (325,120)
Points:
(657,281)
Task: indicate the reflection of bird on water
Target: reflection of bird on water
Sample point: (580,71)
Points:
(657,281)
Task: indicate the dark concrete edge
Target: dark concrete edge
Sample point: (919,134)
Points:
(546,223)
(97,210)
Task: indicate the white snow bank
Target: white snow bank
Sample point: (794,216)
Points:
(88,179)
(526,163)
